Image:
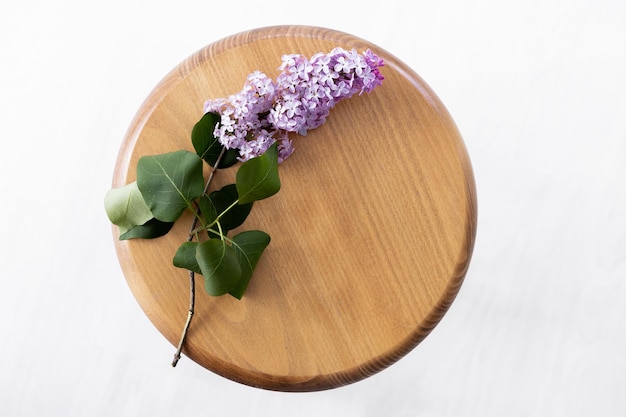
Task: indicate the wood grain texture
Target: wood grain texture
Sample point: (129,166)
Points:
(372,232)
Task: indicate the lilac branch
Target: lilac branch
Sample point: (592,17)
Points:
(192,275)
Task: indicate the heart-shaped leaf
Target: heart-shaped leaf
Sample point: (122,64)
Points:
(207,209)
(185,257)
(225,198)
(207,145)
(219,266)
(258,178)
(126,207)
(248,246)
(153,228)
(170,182)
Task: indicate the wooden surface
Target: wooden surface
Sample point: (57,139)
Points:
(372,231)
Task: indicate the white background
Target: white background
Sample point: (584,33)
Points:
(537,90)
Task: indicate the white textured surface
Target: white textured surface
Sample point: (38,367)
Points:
(537,89)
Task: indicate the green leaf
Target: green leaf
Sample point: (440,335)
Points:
(206,144)
(224,198)
(257,178)
(185,257)
(219,265)
(207,209)
(248,246)
(209,215)
(126,208)
(170,182)
(153,228)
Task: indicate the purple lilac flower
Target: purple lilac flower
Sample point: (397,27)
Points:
(265,111)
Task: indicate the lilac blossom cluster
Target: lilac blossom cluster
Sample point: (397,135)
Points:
(265,111)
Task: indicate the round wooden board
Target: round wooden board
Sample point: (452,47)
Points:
(372,231)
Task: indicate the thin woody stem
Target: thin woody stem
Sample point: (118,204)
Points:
(192,300)
(192,275)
